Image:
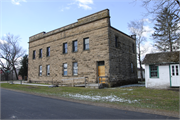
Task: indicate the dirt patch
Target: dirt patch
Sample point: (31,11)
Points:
(143,110)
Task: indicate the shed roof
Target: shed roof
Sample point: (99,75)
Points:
(162,58)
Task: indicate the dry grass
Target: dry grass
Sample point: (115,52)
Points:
(140,97)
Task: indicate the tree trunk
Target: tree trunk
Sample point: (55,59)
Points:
(15,72)
(140,64)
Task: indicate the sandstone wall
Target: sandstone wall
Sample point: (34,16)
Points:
(121,57)
(95,30)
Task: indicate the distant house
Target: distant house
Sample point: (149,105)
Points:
(139,73)
(162,70)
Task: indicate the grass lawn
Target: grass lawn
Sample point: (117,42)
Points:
(139,97)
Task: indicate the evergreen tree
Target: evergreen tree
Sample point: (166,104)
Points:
(24,68)
(166,33)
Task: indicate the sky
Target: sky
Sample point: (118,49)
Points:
(29,17)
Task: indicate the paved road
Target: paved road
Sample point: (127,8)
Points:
(16,105)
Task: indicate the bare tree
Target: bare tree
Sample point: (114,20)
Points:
(156,6)
(137,28)
(10,51)
(6,67)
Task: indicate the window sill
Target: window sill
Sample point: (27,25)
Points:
(153,77)
(86,49)
(74,51)
(65,76)
(75,75)
(65,53)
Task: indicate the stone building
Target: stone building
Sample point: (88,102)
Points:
(90,47)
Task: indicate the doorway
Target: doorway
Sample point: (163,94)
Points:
(101,71)
(175,75)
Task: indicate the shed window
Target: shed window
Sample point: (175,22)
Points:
(154,71)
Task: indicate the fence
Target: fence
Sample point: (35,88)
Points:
(74,81)
(103,79)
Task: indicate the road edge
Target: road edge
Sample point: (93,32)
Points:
(142,110)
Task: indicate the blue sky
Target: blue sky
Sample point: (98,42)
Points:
(29,17)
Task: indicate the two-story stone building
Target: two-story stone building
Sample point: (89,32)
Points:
(90,47)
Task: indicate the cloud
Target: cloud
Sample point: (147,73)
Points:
(17,2)
(3,41)
(148,31)
(146,20)
(85,1)
(65,8)
(84,4)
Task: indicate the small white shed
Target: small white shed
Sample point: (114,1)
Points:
(162,70)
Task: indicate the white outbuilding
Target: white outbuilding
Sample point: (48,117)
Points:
(162,70)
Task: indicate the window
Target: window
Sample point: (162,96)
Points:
(65,48)
(173,70)
(86,44)
(101,63)
(75,46)
(154,72)
(48,70)
(40,70)
(75,68)
(34,54)
(48,51)
(65,69)
(177,72)
(133,49)
(40,53)
(116,41)
(132,69)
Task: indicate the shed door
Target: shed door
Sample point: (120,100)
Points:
(101,71)
(175,75)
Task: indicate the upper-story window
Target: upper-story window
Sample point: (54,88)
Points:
(48,51)
(40,53)
(75,46)
(34,54)
(133,48)
(65,48)
(86,44)
(116,41)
